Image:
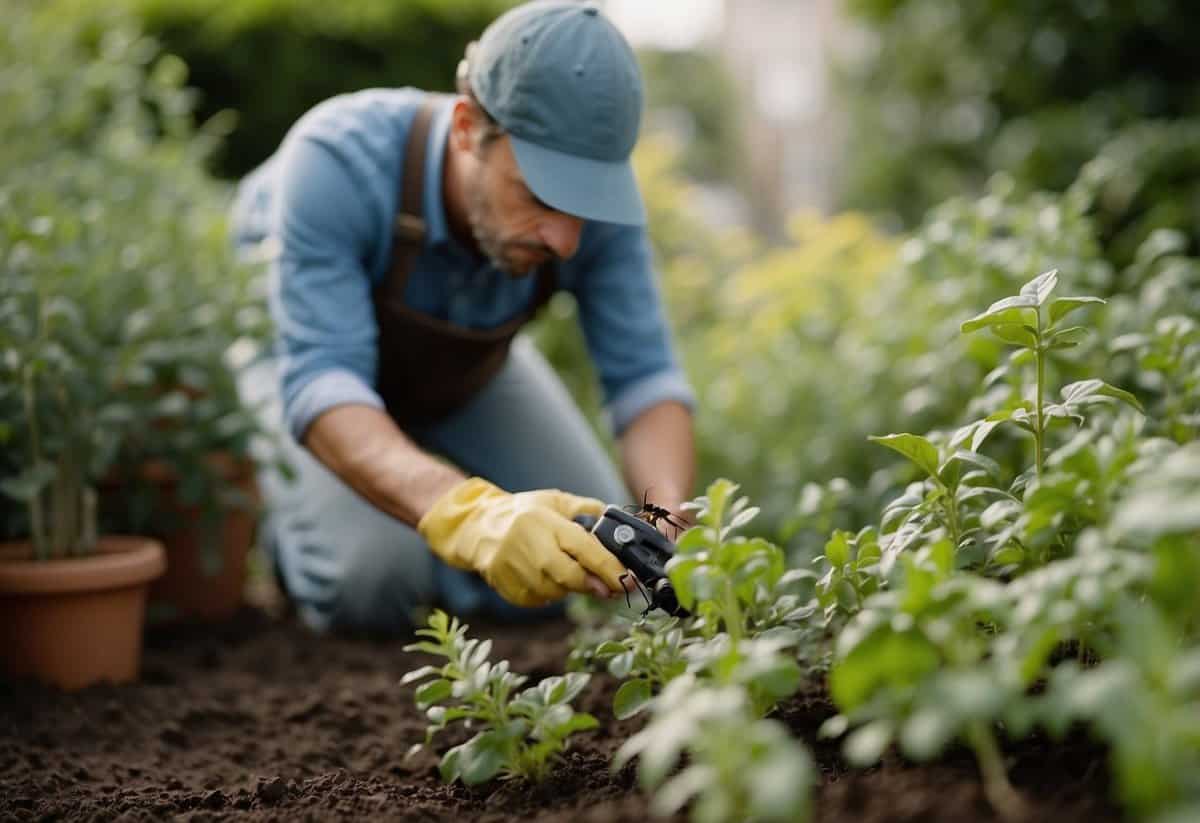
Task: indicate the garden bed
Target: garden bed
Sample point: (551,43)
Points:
(261,720)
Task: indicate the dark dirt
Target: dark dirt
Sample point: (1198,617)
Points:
(261,720)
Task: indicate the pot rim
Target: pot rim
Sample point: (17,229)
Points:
(119,561)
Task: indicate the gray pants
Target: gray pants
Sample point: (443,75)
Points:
(347,565)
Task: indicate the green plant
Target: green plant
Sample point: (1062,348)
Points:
(647,658)
(111,211)
(1020,321)
(61,419)
(521,734)
(740,767)
(272,60)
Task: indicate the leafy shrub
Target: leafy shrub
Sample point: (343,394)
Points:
(272,60)
(521,734)
(110,217)
(941,96)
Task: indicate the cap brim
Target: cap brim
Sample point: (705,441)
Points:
(591,189)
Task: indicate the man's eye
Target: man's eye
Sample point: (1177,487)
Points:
(540,203)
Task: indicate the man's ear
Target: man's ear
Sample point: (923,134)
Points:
(463,125)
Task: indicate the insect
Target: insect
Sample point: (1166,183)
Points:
(652,514)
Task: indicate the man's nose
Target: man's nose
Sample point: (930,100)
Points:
(561,233)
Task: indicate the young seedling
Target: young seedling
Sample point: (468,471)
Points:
(521,734)
(1034,324)
(718,576)
(648,658)
(739,766)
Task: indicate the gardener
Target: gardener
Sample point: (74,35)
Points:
(439,458)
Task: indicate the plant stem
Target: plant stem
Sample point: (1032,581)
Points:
(1040,430)
(37,517)
(996,787)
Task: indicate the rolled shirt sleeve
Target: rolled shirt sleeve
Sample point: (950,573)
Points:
(623,322)
(320,289)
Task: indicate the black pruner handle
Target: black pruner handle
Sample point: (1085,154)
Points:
(642,549)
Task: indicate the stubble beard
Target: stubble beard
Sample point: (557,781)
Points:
(481,217)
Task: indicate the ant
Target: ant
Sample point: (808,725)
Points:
(652,514)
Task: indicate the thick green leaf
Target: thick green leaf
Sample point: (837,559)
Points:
(866,745)
(432,692)
(1085,391)
(26,485)
(914,447)
(1019,334)
(419,674)
(1039,288)
(1018,310)
(631,698)
(1063,306)
(837,549)
(885,659)
(482,758)
(926,733)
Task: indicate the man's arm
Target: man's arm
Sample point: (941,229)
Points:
(658,456)
(365,448)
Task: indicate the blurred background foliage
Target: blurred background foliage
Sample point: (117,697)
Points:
(942,95)
(116,284)
(987,142)
(272,60)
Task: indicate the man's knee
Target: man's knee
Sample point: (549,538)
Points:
(385,576)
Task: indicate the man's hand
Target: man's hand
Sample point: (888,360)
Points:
(525,545)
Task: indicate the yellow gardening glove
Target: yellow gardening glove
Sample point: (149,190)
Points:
(524,545)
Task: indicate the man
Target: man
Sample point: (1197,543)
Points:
(439,459)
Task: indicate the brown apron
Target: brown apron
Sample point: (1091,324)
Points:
(429,368)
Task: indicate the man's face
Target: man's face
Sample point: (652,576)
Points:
(513,228)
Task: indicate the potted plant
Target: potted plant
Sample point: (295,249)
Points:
(72,602)
(186,472)
(121,154)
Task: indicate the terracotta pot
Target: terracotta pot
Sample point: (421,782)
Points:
(76,621)
(206,569)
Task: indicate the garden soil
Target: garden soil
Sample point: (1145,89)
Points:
(259,719)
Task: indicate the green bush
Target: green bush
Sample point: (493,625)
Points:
(945,94)
(115,270)
(271,60)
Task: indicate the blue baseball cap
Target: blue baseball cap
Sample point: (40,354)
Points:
(564,84)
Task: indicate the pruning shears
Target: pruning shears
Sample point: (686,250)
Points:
(642,549)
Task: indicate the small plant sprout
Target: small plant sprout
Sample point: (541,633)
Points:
(739,767)
(719,576)
(649,657)
(1034,323)
(521,734)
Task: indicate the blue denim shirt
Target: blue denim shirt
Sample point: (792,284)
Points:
(324,204)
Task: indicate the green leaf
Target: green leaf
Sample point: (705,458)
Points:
(631,698)
(866,745)
(1019,334)
(837,550)
(419,674)
(884,659)
(1085,391)
(26,485)
(926,733)
(482,758)
(450,766)
(1063,306)
(435,691)
(621,665)
(1039,288)
(609,648)
(1067,338)
(1019,310)
(974,458)
(914,447)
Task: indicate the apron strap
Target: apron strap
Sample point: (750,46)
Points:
(408,229)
